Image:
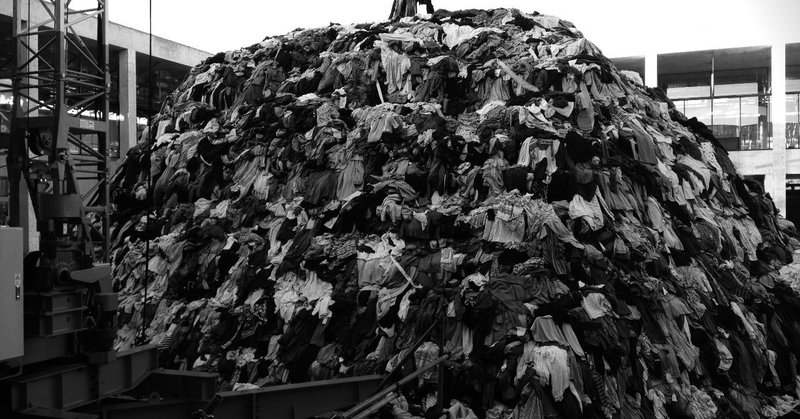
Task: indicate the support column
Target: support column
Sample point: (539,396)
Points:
(651,70)
(778,119)
(25,211)
(26,204)
(127,100)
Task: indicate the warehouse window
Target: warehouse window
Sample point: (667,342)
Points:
(726,117)
(793,120)
(793,106)
(740,123)
(755,128)
(746,91)
(701,109)
(733,103)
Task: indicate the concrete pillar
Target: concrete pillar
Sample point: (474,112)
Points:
(778,118)
(127,100)
(651,69)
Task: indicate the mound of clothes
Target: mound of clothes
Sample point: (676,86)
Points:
(308,207)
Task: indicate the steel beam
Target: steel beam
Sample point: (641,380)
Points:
(38,412)
(151,409)
(127,371)
(67,387)
(295,401)
(291,401)
(172,384)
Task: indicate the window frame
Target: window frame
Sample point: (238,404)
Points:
(762,97)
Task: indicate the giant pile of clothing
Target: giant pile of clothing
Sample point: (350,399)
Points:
(309,206)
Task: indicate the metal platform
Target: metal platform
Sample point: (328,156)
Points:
(67,387)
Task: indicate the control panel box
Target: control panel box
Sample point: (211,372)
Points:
(12,343)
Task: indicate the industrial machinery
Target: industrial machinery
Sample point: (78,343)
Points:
(57,307)
(59,311)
